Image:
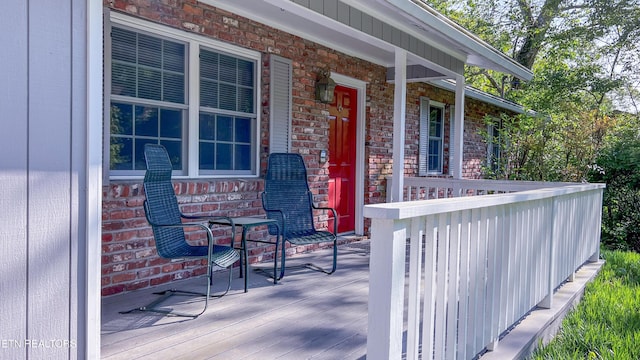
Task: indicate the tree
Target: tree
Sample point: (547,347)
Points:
(618,165)
(585,56)
(600,35)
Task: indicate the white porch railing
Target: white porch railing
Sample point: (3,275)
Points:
(421,188)
(476,265)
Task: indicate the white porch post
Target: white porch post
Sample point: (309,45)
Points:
(386,289)
(458,141)
(399,112)
(91,315)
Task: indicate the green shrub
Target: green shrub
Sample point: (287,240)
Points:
(618,165)
(606,323)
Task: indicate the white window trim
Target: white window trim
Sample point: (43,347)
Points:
(194,43)
(452,134)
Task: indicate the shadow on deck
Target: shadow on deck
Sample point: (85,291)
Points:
(307,315)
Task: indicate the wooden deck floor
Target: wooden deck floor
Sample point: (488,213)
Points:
(307,315)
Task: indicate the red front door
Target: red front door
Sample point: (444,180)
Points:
(342,156)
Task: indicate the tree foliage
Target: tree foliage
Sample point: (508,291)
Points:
(618,165)
(596,39)
(585,56)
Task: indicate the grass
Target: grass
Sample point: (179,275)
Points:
(606,323)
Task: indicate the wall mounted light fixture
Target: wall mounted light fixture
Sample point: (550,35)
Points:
(325,86)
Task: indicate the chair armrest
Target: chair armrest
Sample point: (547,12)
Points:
(335,216)
(281,217)
(183,225)
(215,220)
(204,227)
(278,211)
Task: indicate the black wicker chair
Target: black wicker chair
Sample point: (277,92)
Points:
(165,218)
(287,199)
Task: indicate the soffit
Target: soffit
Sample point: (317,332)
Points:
(311,20)
(308,24)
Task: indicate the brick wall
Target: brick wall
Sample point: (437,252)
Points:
(475,148)
(129,258)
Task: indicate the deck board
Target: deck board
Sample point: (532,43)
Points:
(307,315)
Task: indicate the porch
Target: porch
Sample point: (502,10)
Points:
(552,231)
(306,315)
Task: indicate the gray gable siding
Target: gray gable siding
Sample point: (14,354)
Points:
(13,176)
(414,72)
(42,172)
(361,21)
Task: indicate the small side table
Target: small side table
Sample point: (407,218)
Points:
(248,223)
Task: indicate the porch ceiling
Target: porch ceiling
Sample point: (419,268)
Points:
(409,16)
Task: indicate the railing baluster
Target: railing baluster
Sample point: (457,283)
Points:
(442,263)
(488,261)
(475,280)
(428,321)
(454,287)
(415,279)
(481,267)
(463,321)
(493,274)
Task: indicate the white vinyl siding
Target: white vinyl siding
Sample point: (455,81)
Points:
(280,109)
(51,91)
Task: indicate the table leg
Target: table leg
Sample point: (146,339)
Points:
(246,258)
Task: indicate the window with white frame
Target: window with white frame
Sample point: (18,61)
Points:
(431,137)
(494,145)
(195,96)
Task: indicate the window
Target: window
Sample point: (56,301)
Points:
(494,146)
(147,98)
(193,95)
(431,137)
(226,103)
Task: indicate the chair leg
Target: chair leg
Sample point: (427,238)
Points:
(275,264)
(219,295)
(282,261)
(152,306)
(275,276)
(322,270)
(312,266)
(245,253)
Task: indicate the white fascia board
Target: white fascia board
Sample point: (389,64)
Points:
(328,22)
(424,80)
(483,54)
(480,95)
(241,8)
